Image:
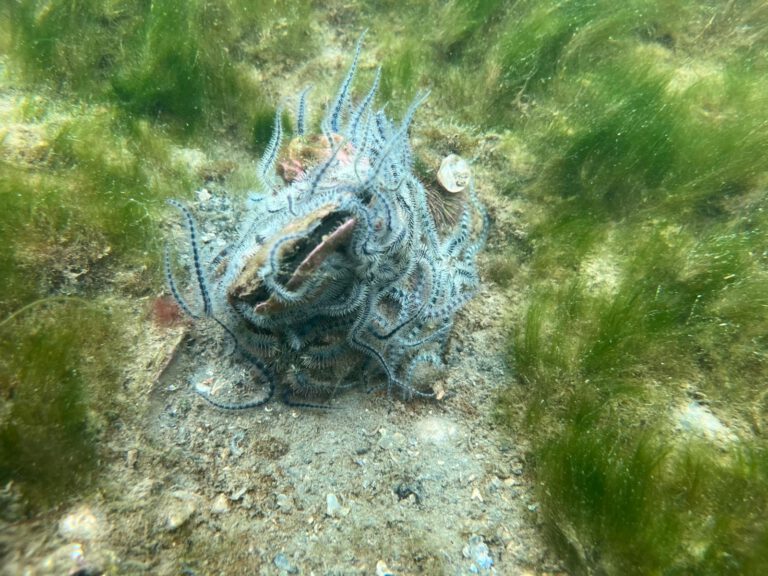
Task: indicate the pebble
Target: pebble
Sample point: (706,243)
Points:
(477,551)
(220,504)
(176,517)
(696,419)
(382,569)
(389,441)
(236,495)
(282,563)
(284,503)
(203,195)
(409,492)
(334,509)
(66,559)
(494,484)
(235,444)
(179,511)
(81,524)
(436,430)
(143,489)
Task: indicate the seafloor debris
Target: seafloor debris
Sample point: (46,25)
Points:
(454,174)
(339,269)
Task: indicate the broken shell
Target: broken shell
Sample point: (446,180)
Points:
(454,173)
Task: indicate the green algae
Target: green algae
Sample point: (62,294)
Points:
(57,378)
(646,285)
(643,290)
(104,96)
(643,285)
(185,64)
(93,183)
(608,357)
(635,504)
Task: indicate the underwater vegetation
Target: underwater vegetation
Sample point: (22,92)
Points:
(186,64)
(97,102)
(645,129)
(645,266)
(645,286)
(61,380)
(342,265)
(77,193)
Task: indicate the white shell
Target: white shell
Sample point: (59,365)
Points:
(454,173)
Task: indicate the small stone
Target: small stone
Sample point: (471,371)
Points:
(143,489)
(71,559)
(332,505)
(477,551)
(178,516)
(80,524)
(382,569)
(235,496)
(282,563)
(179,511)
(698,420)
(220,504)
(495,484)
(436,430)
(284,503)
(409,492)
(334,509)
(389,441)
(131,457)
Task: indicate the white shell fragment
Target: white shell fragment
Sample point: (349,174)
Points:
(454,173)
